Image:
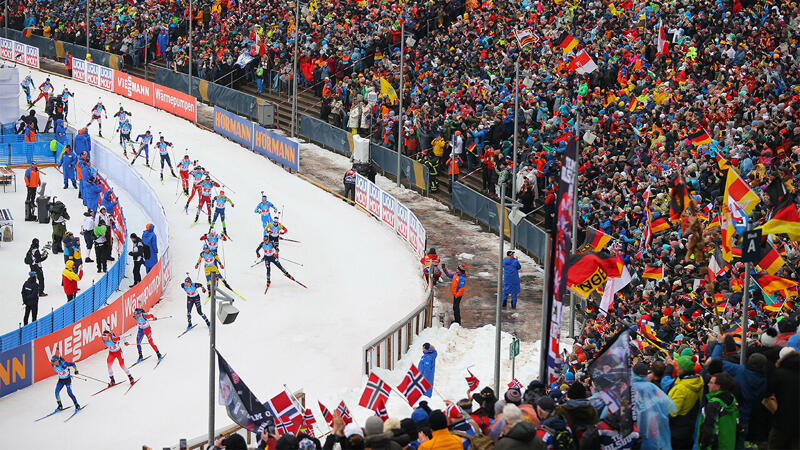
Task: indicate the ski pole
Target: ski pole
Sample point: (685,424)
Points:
(87,377)
(293,262)
(165,317)
(257,262)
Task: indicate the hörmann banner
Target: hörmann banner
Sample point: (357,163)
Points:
(234,127)
(16,368)
(276,147)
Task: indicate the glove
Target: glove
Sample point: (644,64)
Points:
(221,266)
(196,266)
(76,371)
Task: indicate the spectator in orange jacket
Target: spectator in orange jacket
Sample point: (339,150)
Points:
(70,279)
(457,286)
(442,438)
(431,263)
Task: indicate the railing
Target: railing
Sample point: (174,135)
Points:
(15,151)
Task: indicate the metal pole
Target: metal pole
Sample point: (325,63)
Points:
(400,109)
(514,179)
(548,280)
(190,48)
(294,63)
(499,289)
(745,300)
(5,16)
(146,50)
(87,29)
(572,300)
(211,360)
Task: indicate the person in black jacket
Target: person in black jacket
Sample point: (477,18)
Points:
(30,297)
(34,260)
(137,253)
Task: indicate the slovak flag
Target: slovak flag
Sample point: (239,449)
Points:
(662,46)
(326,414)
(413,385)
(344,412)
(472,381)
(515,384)
(380,409)
(374,391)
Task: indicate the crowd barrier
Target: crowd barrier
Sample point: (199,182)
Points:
(74,330)
(19,52)
(254,137)
(212,93)
(341,141)
(52,48)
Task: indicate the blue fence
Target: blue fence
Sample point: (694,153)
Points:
(15,151)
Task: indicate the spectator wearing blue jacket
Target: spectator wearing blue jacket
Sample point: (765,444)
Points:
(653,408)
(61,131)
(83,143)
(511,286)
(91,193)
(86,172)
(68,163)
(109,201)
(149,238)
(427,365)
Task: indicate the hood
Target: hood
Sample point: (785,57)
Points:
(693,383)
(35,243)
(523,431)
(380,437)
(70,264)
(150,227)
(790,362)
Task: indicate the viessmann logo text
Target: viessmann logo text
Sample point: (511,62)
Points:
(132,87)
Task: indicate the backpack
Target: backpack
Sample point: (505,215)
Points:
(478,442)
(146,250)
(29,257)
(562,439)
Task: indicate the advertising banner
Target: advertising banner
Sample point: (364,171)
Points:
(374,202)
(16,369)
(6,49)
(175,102)
(401,221)
(79,70)
(362,191)
(388,210)
(234,127)
(133,87)
(32,56)
(275,147)
(19,52)
(93,74)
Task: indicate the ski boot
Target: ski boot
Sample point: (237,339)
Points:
(173,173)
(196,216)
(209,218)
(186,208)
(147,163)
(224,230)
(208,322)
(158,355)
(189,327)
(162,177)
(186,192)
(140,357)
(77,407)
(112,381)
(130,378)
(60,406)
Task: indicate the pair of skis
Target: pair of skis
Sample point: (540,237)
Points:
(58,410)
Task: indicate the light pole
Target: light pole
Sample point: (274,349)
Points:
(499,288)
(190,48)
(572,300)
(294,64)
(87,29)
(211,359)
(514,161)
(400,109)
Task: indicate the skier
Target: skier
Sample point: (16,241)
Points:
(27,86)
(274,231)
(114,352)
(219,202)
(198,174)
(96,112)
(45,89)
(270,257)
(212,239)
(141,319)
(124,129)
(210,261)
(263,209)
(193,299)
(65,95)
(184,167)
(61,368)
(205,197)
(144,141)
(121,115)
(163,150)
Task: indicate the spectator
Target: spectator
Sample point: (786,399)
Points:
(101,249)
(58,216)
(70,279)
(686,393)
(442,439)
(30,298)
(717,426)
(578,412)
(457,287)
(68,163)
(138,253)
(350,183)
(376,438)
(427,365)
(518,434)
(87,230)
(511,284)
(31,183)
(653,408)
(34,260)
(784,384)
(430,263)
(150,239)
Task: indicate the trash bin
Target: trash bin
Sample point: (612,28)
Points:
(43,209)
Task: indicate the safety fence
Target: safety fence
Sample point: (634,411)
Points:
(15,151)
(283,151)
(74,330)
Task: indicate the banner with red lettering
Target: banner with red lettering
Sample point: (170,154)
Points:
(93,74)
(175,102)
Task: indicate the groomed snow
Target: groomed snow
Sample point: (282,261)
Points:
(361,278)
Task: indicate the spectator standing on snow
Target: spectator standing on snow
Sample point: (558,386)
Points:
(457,286)
(34,260)
(30,298)
(150,239)
(511,285)
(139,254)
(427,365)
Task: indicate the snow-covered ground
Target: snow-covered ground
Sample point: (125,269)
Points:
(361,278)
(15,271)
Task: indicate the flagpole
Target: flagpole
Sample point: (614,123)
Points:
(745,299)
(514,171)
(572,301)
(400,97)
(297,404)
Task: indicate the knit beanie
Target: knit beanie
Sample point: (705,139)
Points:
(374,425)
(686,363)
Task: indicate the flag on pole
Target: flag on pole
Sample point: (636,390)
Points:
(771,260)
(582,63)
(565,42)
(700,137)
(326,414)
(679,200)
(388,91)
(772,284)
(380,409)
(588,271)
(653,273)
(662,46)
(611,374)
(472,381)
(786,220)
(344,412)
(515,384)
(373,391)
(740,192)
(525,37)
(595,241)
(240,403)
(413,385)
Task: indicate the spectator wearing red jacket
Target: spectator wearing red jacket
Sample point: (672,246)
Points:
(70,279)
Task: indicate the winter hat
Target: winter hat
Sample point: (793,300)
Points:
(409,427)
(686,363)
(391,424)
(785,351)
(373,426)
(352,428)
(757,362)
(641,369)
(236,442)
(513,396)
(569,377)
(769,338)
(419,416)
(546,403)
(306,444)
(31,274)
(438,420)
(512,414)
(286,442)
(576,391)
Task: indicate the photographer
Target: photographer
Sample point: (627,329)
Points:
(34,260)
(59,216)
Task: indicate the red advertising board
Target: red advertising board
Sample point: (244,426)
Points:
(84,338)
(133,87)
(175,102)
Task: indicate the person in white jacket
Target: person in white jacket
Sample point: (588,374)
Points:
(87,230)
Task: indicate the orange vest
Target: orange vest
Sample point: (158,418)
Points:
(452,166)
(454,286)
(34,179)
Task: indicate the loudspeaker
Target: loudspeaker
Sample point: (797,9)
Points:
(226,313)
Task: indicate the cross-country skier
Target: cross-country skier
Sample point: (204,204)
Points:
(27,86)
(163,150)
(141,319)
(45,89)
(65,95)
(205,197)
(97,111)
(212,239)
(114,352)
(124,129)
(122,114)
(219,202)
(274,231)
(198,175)
(193,299)
(270,257)
(64,379)
(184,168)
(210,261)
(263,209)
(144,140)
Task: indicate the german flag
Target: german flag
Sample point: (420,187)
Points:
(713,224)
(785,221)
(471,148)
(679,200)
(27,32)
(588,271)
(634,103)
(775,307)
(790,292)
(565,42)
(772,284)
(653,273)
(720,302)
(700,137)
(659,224)
(771,260)
(721,161)
(595,241)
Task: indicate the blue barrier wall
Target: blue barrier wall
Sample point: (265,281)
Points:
(254,137)
(16,368)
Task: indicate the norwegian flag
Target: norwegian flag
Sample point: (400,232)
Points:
(414,385)
(281,427)
(344,412)
(326,414)
(375,390)
(472,381)
(515,384)
(380,409)
(308,417)
(453,411)
(282,407)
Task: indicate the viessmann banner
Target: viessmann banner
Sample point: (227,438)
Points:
(254,137)
(391,212)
